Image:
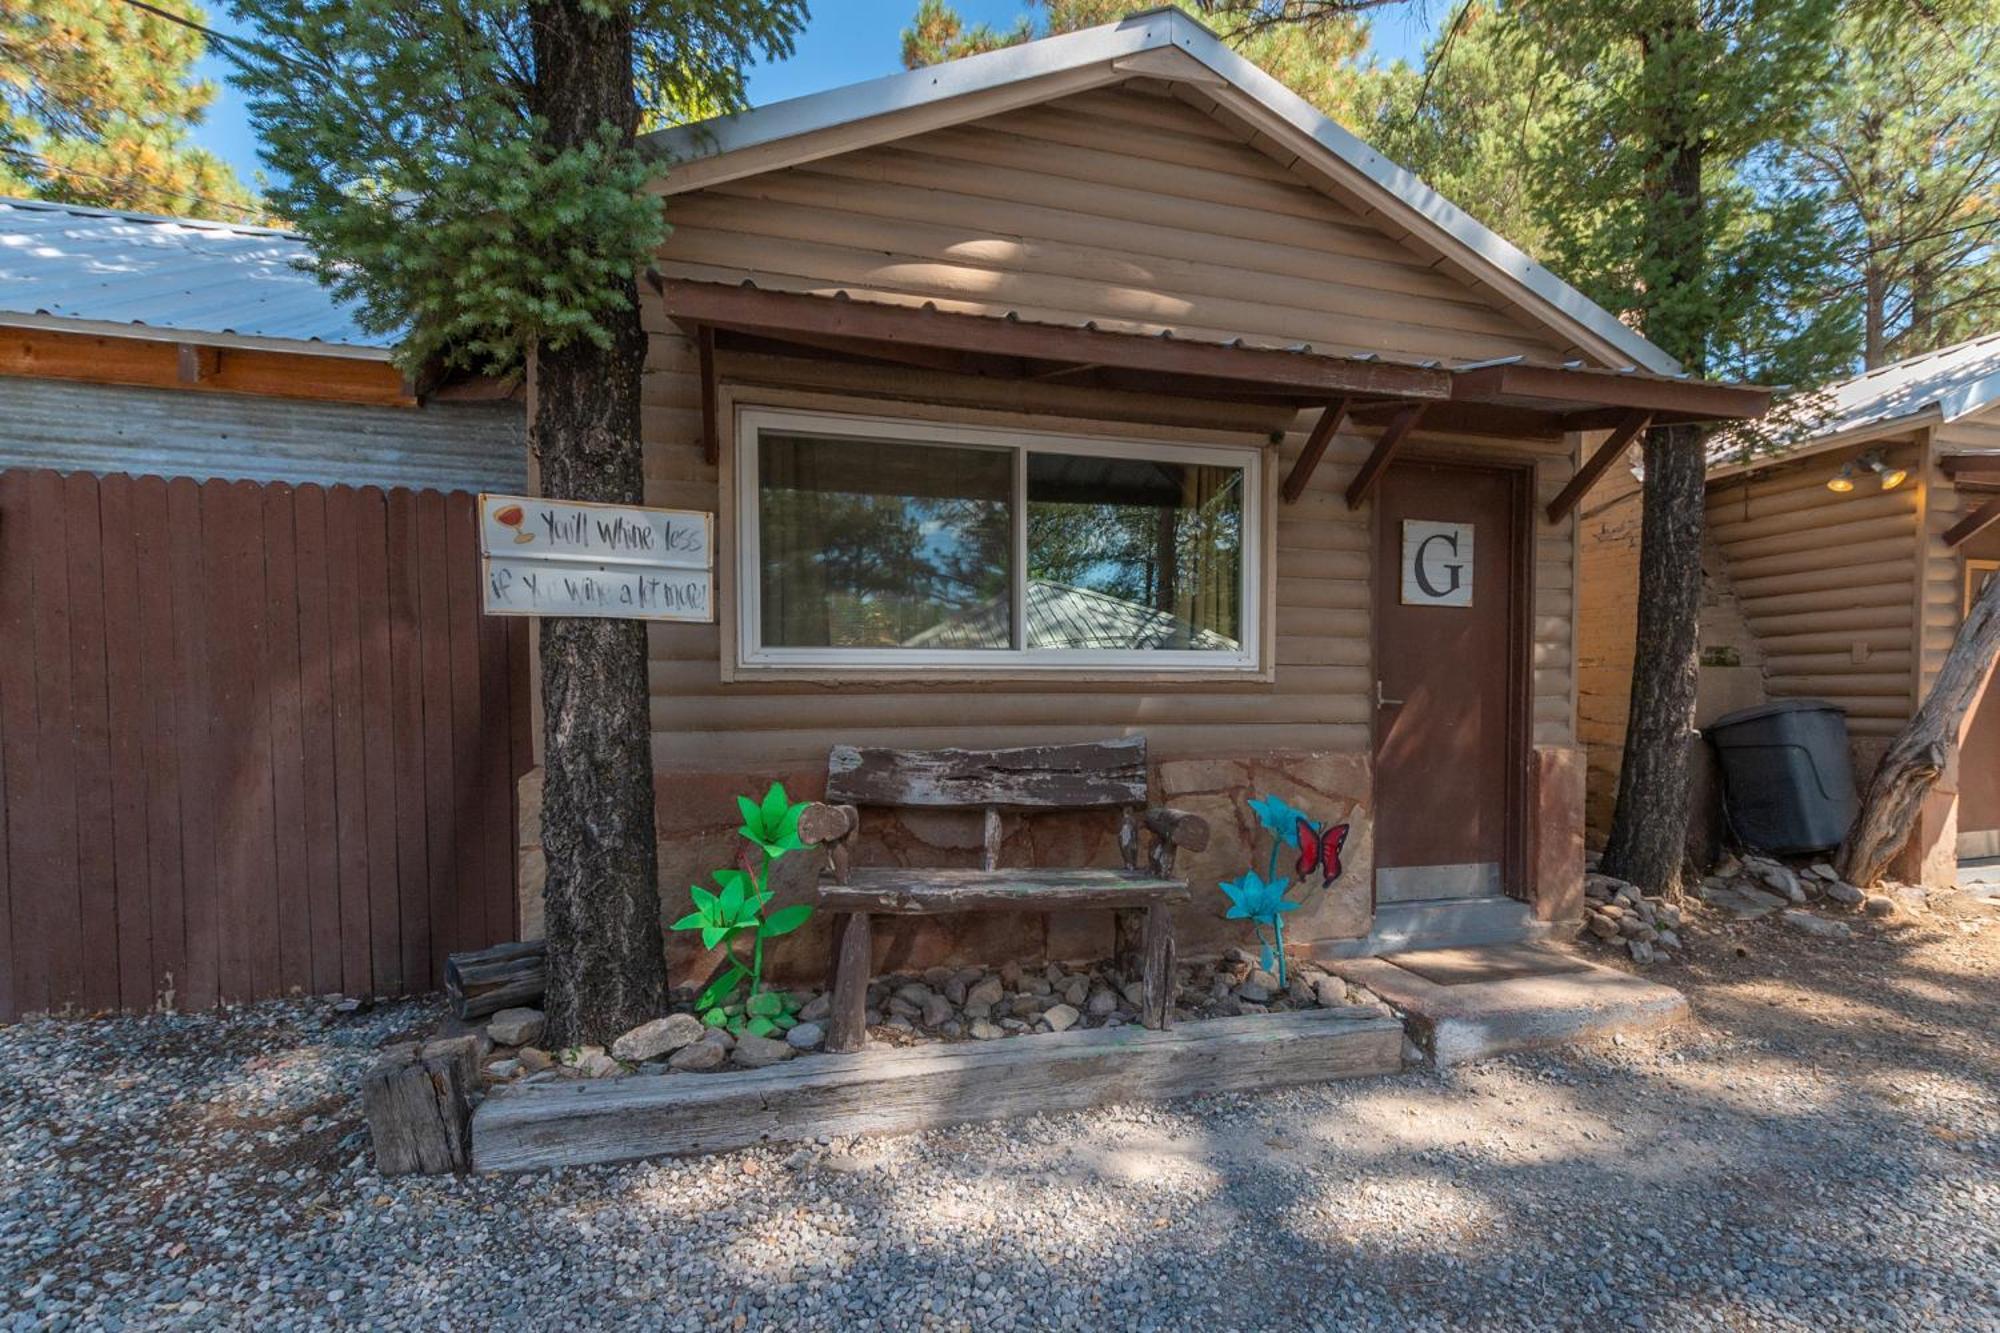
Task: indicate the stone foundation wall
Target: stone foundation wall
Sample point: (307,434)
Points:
(697,822)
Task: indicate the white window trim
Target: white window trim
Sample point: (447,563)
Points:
(998,661)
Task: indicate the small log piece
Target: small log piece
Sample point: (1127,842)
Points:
(486,981)
(418,1103)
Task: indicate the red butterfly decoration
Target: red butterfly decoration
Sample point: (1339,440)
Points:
(1321,850)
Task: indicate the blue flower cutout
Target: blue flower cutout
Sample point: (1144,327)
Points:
(1281,818)
(1255,898)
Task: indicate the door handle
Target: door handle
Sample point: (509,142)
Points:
(1382,701)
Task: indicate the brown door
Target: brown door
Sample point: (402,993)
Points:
(1450,629)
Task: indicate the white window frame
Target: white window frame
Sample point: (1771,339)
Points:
(751,421)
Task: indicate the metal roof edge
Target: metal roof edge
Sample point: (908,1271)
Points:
(1863,433)
(1152,30)
(1970,397)
(198,337)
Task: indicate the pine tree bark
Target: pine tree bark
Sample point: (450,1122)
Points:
(1924,750)
(606,961)
(1648,837)
(1647,843)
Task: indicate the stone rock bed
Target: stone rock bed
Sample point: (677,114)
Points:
(942,1004)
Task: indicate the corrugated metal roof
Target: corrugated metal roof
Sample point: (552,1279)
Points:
(1931,387)
(105,268)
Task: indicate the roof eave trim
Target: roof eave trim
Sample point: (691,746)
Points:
(196,337)
(1863,433)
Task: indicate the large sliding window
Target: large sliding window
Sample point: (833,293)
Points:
(901,544)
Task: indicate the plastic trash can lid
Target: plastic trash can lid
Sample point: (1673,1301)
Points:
(1774,708)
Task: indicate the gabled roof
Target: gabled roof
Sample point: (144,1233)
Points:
(1161,44)
(1931,388)
(101,270)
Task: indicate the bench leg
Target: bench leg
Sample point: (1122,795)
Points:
(847,1022)
(1159,967)
(1128,942)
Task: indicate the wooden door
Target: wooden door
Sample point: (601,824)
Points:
(1451,625)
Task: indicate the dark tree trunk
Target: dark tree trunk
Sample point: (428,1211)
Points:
(1923,750)
(1648,840)
(606,964)
(1649,827)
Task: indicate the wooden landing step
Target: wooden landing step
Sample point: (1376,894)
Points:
(887,1090)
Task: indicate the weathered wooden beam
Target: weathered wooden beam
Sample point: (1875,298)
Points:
(1386,445)
(779,314)
(924,891)
(1080,775)
(1587,386)
(157,364)
(1331,418)
(197,363)
(1973,523)
(1984,467)
(711,438)
(890,1090)
(1607,453)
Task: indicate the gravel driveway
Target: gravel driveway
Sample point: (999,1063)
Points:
(1821,1149)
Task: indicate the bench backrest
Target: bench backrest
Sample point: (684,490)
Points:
(1094,774)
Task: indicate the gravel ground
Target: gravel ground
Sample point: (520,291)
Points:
(1819,1149)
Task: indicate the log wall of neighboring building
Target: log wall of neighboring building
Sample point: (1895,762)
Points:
(1828,582)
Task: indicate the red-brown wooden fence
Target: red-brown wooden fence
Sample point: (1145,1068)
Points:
(254,739)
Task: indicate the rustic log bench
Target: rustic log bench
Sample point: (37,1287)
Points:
(1097,775)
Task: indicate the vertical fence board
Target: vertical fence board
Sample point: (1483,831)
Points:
(371,550)
(407,721)
(434,635)
(97,885)
(288,802)
(59,916)
(154,613)
(25,985)
(350,775)
(253,739)
(125,718)
(316,726)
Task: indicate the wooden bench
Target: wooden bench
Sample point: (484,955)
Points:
(1098,775)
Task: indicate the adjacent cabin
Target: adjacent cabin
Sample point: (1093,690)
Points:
(1838,567)
(1100,387)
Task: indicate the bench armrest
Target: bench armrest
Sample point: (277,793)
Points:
(832,827)
(1173,831)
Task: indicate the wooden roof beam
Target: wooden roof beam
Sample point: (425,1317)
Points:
(1972,466)
(1973,523)
(1331,418)
(1386,445)
(787,314)
(1609,452)
(1584,387)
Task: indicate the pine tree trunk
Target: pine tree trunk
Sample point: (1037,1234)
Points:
(606,963)
(1647,843)
(1924,749)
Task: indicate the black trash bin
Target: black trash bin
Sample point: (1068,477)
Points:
(1787,785)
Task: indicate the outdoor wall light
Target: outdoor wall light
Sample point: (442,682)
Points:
(1842,481)
(1892,477)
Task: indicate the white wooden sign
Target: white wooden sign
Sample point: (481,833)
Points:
(569,558)
(1437,563)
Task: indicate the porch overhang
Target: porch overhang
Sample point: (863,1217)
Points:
(1510,397)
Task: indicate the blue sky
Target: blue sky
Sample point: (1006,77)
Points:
(845,41)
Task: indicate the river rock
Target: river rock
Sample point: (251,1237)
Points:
(1061,1018)
(516,1027)
(805,1037)
(699,1057)
(987,991)
(755,1052)
(662,1036)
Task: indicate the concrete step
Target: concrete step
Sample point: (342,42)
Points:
(1444,923)
(1469,1003)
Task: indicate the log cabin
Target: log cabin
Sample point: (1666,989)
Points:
(1101,387)
(1838,565)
